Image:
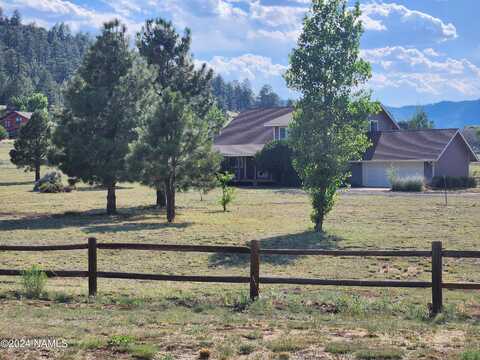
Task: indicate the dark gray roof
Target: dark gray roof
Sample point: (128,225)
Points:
(246,134)
(409,144)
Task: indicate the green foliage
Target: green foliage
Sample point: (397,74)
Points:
(286,344)
(276,158)
(233,96)
(31,146)
(176,141)
(453,182)
(410,183)
(228,193)
(33,281)
(33,59)
(267,98)
(3,133)
(418,121)
(245,349)
(379,354)
(103,107)
(31,103)
(328,128)
(471,355)
(121,341)
(50,183)
(143,351)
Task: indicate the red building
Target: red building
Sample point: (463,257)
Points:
(13,120)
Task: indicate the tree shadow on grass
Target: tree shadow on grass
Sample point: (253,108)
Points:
(17,183)
(89,221)
(124,227)
(305,240)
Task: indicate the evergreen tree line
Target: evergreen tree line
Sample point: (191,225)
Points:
(239,96)
(33,59)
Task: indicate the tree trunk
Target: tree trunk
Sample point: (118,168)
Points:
(170,193)
(111,200)
(37,173)
(161,200)
(319,223)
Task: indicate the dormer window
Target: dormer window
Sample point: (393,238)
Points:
(373,125)
(19,119)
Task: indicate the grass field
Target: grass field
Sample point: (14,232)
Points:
(142,319)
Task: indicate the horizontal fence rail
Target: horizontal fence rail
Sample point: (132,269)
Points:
(436,254)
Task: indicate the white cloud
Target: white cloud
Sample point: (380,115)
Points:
(392,16)
(247,66)
(426,72)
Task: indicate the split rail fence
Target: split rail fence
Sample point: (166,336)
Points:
(436,254)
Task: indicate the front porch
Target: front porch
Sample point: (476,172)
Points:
(245,170)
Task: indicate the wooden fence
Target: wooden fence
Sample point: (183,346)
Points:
(437,253)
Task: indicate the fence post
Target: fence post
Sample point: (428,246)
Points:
(254,269)
(92,266)
(437,301)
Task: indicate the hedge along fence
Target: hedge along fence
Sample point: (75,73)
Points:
(437,253)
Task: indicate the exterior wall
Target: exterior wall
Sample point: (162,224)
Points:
(12,125)
(428,170)
(357,178)
(455,161)
(384,122)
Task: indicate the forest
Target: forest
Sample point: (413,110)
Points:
(34,59)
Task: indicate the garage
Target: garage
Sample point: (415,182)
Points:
(375,173)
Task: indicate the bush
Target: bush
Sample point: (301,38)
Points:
(471,355)
(33,281)
(453,182)
(276,158)
(413,183)
(228,193)
(50,183)
(3,133)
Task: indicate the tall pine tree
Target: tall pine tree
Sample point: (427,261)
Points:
(103,105)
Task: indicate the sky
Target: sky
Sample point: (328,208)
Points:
(421,51)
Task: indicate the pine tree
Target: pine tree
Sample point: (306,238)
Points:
(267,98)
(31,146)
(179,132)
(103,105)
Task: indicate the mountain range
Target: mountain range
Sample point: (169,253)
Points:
(445,114)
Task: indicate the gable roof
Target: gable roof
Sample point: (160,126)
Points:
(426,144)
(246,134)
(25,114)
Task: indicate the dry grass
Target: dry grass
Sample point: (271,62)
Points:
(179,319)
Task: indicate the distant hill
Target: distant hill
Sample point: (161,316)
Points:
(445,114)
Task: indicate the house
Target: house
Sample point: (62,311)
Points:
(13,121)
(413,153)
(425,153)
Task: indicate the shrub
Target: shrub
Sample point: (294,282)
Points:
(412,183)
(73,181)
(50,183)
(453,182)
(3,133)
(245,349)
(471,355)
(276,158)
(379,354)
(33,281)
(228,193)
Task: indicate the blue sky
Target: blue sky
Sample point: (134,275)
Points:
(421,51)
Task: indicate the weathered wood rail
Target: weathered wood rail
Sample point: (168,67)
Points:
(436,254)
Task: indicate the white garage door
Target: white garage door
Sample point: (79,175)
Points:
(375,174)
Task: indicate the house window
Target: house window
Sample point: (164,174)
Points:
(19,119)
(281,133)
(7,123)
(373,125)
